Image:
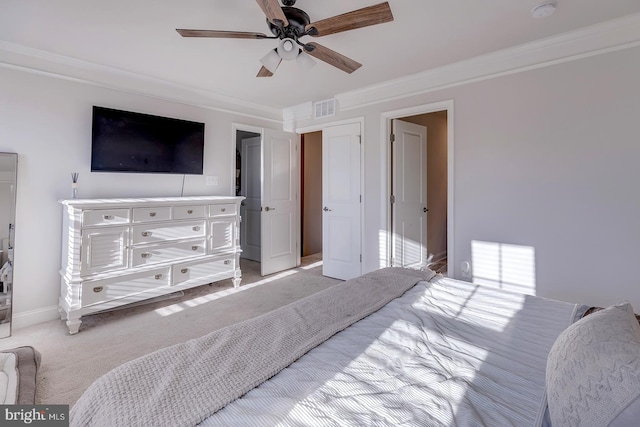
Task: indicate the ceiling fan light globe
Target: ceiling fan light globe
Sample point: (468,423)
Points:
(305,62)
(271,61)
(287,49)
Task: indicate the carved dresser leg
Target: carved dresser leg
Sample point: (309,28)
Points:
(73,323)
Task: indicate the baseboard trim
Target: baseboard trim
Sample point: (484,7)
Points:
(33,317)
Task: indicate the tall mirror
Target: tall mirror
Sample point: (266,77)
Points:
(8,176)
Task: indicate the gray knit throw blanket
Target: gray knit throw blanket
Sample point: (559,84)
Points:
(183,384)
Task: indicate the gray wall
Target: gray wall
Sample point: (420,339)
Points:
(546,158)
(47,121)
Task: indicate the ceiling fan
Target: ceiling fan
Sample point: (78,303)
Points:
(289,24)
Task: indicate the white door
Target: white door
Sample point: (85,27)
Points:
(279,201)
(409,189)
(251,165)
(341,201)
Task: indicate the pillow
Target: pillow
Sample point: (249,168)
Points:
(18,370)
(593,370)
(8,378)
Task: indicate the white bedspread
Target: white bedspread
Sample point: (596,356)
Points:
(183,384)
(446,353)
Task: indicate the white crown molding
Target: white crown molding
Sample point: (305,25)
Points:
(593,40)
(45,63)
(291,115)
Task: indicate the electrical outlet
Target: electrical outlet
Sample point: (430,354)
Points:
(465,268)
(212,180)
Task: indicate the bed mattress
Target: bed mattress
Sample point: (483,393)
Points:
(446,353)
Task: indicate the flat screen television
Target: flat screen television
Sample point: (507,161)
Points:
(124,141)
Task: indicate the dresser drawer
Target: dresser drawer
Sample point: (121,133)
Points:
(167,252)
(155,233)
(105,217)
(98,291)
(159,213)
(221,210)
(198,270)
(188,212)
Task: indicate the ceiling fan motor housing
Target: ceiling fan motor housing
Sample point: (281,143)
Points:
(298,20)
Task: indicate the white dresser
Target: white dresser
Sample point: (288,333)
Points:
(119,251)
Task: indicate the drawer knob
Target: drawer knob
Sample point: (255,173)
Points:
(184,270)
(158,276)
(223,209)
(196,228)
(190,211)
(107,217)
(227,262)
(146,233)
(98,289)
(152,214)
(146,255)
(194,247)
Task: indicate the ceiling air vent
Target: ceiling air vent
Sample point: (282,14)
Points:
(324,108)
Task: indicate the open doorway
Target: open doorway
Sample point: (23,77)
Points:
(311,195)
(266,174)
(418,165)
(248,184)
(340,159)
(295,197)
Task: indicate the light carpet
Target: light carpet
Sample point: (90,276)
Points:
(71,362)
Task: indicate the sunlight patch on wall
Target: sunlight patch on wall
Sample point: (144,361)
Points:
(383,249)
(409,253)
(509,267)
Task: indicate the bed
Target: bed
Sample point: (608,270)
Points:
(393,347)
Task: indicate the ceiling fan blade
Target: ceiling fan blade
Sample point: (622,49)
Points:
(220,34)
(364,17)
(264,73)
(331,57)
(274,12)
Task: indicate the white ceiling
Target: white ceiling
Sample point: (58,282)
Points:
(139,36)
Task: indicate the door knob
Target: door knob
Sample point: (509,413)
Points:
(269,209)
(326,209)
(425,210)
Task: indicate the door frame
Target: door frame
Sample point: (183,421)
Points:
(235,127)
(246,174)
(399,207)
(320,127)
(385,167)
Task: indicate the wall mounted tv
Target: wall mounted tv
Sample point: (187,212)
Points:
(123,141)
